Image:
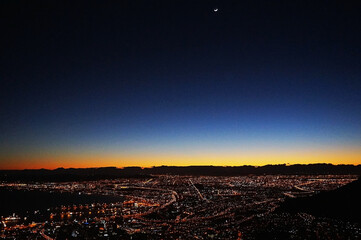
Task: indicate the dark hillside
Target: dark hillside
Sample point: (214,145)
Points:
(343,203)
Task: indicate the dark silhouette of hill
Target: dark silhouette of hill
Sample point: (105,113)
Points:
(257,170)
(343,203)
(78,174)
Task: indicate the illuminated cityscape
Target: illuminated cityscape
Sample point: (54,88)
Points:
(179,207)
(180,119)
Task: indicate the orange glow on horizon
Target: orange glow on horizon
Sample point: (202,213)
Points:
(233,158)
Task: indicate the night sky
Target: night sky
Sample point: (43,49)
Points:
(148,83)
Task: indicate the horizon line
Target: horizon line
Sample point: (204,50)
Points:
(155,166)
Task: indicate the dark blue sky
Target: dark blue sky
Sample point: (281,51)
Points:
(174,77)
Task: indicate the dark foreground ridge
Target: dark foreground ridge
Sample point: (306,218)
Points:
(342,203)
(76,174)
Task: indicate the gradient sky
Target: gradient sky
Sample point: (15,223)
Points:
(144,83)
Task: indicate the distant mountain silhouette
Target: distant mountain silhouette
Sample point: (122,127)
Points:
(76,174)
(343,203)
(256,170)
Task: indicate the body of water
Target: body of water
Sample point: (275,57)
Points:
(20,201)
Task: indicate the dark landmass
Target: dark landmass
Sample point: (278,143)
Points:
(297,169)
(342,203)
(87,174)
(69,174)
